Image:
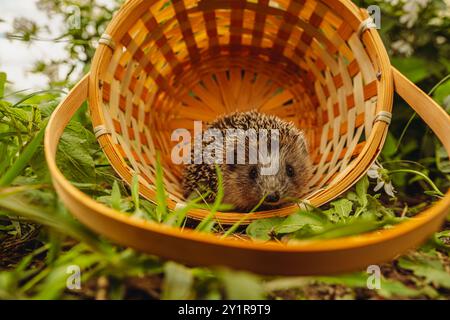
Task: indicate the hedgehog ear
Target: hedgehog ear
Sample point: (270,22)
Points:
(231,167)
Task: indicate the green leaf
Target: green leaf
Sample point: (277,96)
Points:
(241,285)
(207,224)
(390,146)
(376,209)
(263,229)
(440,236)
(161,209)
(75,153)
(442,92)
(307,231)
(298,220)
(342,208)
(178,282)
(2,84)
(361,191)
(343,229)
(442,160)
(394,288)
(23,159)
(135,191)
(115,196)
(56,280)
(125,204)
(415,69)
(427,266)
(389,288)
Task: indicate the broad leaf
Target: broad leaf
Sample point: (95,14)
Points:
(427,266)
(415,69)
(342,208)
(2,84)
(178,282)
(298,220)
(74,158)
(263,229)
(343,229)
(241,285)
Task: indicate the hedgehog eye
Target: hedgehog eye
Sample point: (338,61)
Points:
(253,173)
(290,171)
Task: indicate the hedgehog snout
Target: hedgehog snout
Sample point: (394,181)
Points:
(273,197)
(272,187)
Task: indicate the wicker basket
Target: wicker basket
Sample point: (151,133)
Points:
(321,64)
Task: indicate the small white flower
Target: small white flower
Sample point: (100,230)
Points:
(445,11)
(446,103)
(441,40)
(383,180)
(402,47)
(412,9)
(393,2)
(436,21)
(409,18)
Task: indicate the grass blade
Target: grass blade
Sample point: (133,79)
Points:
(207,223)
(24,158)
(161,208)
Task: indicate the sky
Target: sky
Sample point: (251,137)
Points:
(17,57)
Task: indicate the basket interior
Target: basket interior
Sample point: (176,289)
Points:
(170,63)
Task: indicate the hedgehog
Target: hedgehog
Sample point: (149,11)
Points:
(245,186)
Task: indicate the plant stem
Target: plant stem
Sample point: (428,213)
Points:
(238,223)
(415,113)
(424,176)
(205,223)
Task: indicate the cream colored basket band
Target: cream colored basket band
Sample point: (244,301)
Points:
(107,40)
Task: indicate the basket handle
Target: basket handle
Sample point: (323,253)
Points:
(433,114)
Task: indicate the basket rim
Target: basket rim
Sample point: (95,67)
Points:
(299,246)
(354,16)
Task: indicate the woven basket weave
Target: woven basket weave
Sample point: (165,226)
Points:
(161,65)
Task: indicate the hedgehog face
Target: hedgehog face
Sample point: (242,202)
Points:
(246,185)
(247,181)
